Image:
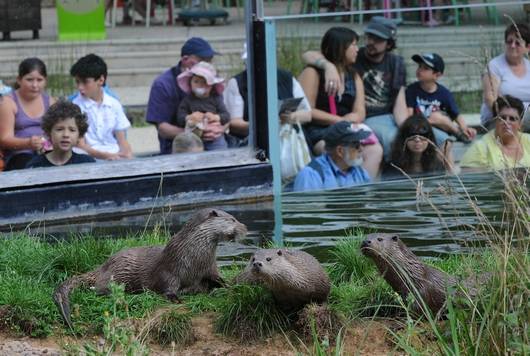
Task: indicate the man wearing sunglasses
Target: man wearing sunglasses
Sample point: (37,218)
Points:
(341,165)
(505,146)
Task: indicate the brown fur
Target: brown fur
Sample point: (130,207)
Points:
(406,273)
(294,277)
(186,265)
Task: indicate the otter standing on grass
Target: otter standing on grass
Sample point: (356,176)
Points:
(406,273)
(294,277)
(186,265)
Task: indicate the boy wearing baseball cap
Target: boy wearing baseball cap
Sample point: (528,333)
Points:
(435,102)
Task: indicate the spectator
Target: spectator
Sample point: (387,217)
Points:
(204,103)
(236,101)
(414,151)
(435,102)
(64,124)
(187,142)
(21,111)
(341,165)
(508,73)
(505,146)
(107,123)
(384,78)
(339,47)
(166,95)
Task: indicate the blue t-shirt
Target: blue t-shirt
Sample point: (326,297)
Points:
(309,179)
(426,103)
(164,100)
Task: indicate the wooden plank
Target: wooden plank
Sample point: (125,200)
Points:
(128,168)
(77,200)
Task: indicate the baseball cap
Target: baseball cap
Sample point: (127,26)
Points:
(198,47)
(381,27)
(432,60)
(344,133)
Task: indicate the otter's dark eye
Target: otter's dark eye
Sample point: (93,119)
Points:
(379,239)
(268,259)
(253,259)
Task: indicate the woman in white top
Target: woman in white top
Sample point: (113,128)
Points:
(508,73)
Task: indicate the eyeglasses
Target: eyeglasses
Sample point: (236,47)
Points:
(517,43)
(416,137)
(508,118)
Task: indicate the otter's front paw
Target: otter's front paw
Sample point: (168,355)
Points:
(173,297)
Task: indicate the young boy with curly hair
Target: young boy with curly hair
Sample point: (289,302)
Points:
(64,124)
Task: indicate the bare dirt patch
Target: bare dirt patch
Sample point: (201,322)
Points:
(361,338)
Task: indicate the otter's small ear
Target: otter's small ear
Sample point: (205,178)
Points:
(213,213)
(280,252)
(395,238)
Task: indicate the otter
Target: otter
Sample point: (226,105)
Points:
(294,277)
(406,273)
(186,265)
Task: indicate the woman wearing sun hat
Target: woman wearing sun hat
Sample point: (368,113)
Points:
(204,104)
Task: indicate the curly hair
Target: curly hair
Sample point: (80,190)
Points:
(63,110)
(402,157)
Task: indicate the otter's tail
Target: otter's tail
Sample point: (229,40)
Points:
(61,296)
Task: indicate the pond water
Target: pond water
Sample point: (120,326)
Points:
(439,221)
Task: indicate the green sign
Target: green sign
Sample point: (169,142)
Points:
(81,20)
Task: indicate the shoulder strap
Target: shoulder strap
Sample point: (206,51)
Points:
(317,167)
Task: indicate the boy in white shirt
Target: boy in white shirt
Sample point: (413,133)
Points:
(107,123)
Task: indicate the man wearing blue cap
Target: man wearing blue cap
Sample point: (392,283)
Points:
(165,95)
(341,165)
(384,79)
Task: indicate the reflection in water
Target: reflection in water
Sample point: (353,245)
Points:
(441,223)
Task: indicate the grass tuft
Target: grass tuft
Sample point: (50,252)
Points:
(172,325)
(249,312)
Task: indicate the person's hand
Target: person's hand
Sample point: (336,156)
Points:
(212,118)
(36,143)
(333,81)
(287,117)
(194,118)
(125,155)
(112,156)
(213,131)
(351,117)
(470,132)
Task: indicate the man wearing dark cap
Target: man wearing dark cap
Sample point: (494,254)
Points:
(165,95)
(341,165)
(436,103)
(384,79)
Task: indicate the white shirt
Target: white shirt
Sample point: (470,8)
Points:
(235,105)
(103,120)
(510,84)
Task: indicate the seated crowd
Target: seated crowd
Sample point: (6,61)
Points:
(360,120)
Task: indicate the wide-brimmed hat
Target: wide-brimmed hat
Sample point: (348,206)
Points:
(344,133)
(201,69)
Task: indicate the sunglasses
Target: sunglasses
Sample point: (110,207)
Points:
(416,137)
(508,118)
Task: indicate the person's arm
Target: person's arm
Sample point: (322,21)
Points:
(490,85)
(125,148)
(235,104)
(214,129)
(468,131)
(400,110)
(333,84)
(160,109)
(222,111)
(238,127)
(358,113)
(303,115)
(82,144)
(8,140)
(309,80)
